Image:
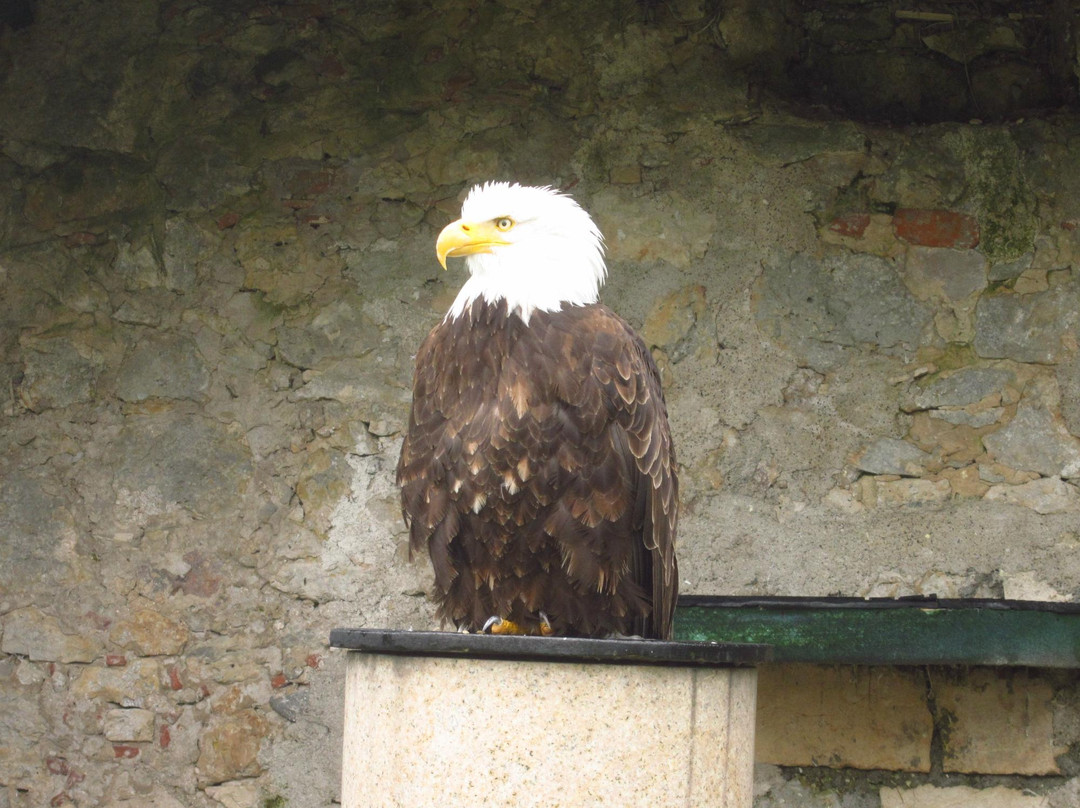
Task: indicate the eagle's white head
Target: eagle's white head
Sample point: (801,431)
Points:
(532,247)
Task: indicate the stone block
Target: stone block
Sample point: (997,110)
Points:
(22,726)
(534,733)
(1027,585)
(129,725)
(1007,270)
(974,417)
(913,492)
(965,482)
(229,749)
(1067,374)
(56,375)
(940,274)
(90,187)
(814,305)
(1027,328)
(626,174)
(773,790)
(150,633)
(852,717)
(999,721)
(39,636)
(323,483)
(277,265)
(339,330)
(163,367)
(186,246)
(892,456)
(672,319)
(158,797)
(784,144)
(672,230)
(172,459)
(1044,495)
(956,443)
(959,388)
(237,794)
(1036,440)
(928,796)
(129,685)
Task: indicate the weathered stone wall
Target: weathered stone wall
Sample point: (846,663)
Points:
(216,257)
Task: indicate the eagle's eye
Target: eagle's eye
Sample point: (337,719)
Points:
(504,223)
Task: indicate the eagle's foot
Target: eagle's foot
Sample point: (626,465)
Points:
(498,625)
(546,629)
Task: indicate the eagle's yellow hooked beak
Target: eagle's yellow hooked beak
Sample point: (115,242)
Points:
(462,238)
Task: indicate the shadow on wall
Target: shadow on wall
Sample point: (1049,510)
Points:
(907,62)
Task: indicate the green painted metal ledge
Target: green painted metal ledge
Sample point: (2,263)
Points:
(885,631)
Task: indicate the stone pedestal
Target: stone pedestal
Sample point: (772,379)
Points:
(447,720)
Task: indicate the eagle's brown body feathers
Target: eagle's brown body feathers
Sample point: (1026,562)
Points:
(538,471)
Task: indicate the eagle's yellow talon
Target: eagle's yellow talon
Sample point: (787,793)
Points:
(499,625)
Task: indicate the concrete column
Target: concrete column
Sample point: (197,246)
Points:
(468,731)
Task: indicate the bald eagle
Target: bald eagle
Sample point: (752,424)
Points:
(538,469)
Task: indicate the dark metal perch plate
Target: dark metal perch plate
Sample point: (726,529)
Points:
(886,631)
(552,649)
